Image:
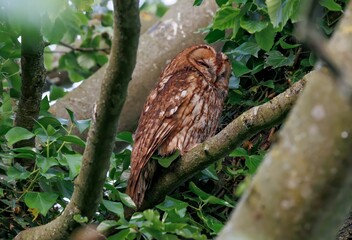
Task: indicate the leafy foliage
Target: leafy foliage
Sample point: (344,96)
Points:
(266,59)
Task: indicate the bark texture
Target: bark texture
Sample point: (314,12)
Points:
(302,190)
(96,158)
(33,75)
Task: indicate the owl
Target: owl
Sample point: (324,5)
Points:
(182,111)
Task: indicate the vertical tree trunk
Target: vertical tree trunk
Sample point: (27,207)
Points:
(101,137)
(33,77)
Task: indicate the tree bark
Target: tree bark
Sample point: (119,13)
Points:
(96,158)
(302,190)
(33,76)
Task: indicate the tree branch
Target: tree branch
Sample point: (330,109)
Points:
(243,127)
(96,158)
(80,49)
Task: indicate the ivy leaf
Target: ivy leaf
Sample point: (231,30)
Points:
(166,161)
(205,197)
(17,134)
(214,35)
(125,199)
(72,139)
(225,18)
(252,163)
(46,163)
(197,2)
(80,219)
(276,59)
(80,124)
(253,22)
(40,200)
(74,162)
(239,68)
(115,207)
(247,48)
(269,84)
(265,38)
(17,172)
(125,137)
(280,11)
(108,224)
(239,152)
(56,92)
(331,5)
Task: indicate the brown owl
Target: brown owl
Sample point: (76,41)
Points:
(181,112)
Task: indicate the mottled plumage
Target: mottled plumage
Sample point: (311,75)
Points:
(182,111)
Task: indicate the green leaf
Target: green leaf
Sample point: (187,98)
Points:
(214,35)
(115,207)
(239,68)
(106,225)
(166,161)
(205,197)
(247,48)
(125,199)
(269,84)
(40,200)
(252,163)
(44,104)
(125,137)
(280,11)
(331,5)
(239,152)
(276,59)
(265,38)
(197,2)
(172,204)
(53,31)
(123,234)
(285,45)
(253,22)
(72,139)
(46,163)
(82,125)
(17,134)
(17,172)
(225,18)
(74,162)
(211,172)
(213,223)
(56,92)
(80,219)
(86,61)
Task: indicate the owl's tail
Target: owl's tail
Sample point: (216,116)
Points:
(139,182)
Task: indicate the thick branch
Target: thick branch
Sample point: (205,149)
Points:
(243,127)
(96,158)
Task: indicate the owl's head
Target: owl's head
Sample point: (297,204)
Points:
(214,66)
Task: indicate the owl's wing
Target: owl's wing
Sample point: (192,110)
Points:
(155,124)
(157,120)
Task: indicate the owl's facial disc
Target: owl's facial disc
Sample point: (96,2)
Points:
(204,60)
